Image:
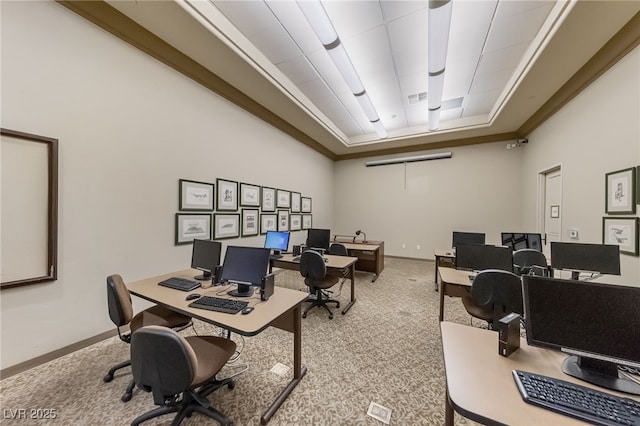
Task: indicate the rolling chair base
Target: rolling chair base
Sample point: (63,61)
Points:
(321,303)
(191,402)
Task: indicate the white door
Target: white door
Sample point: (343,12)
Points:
(552,208)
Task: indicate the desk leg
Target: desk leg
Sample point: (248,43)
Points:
(435,279)
(443,286)
(448,409)
(375,277)
(299,370)
(352,271)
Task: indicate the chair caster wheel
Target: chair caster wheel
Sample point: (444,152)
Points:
(231,385)
(337,305)
(331,316)
(126,397)
(304,315)
(107,378)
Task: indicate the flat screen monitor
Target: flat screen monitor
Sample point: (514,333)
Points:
(318,238)
(477,257)
(205,256)
(518,241)
(596,323)
(595,258)
(467,238)
(277,241)
(245,267)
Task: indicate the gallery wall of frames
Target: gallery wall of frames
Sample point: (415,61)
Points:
(622,192)
(231,209)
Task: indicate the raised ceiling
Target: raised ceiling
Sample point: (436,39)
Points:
(509,63)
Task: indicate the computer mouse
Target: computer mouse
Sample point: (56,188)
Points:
(247,310)
(193,296)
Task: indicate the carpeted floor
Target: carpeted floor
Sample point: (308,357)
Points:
(386,349)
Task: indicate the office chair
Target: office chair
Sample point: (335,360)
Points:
(179,371)
(530,262)
(121,313)
(494,294)
(314,271)
(338,249)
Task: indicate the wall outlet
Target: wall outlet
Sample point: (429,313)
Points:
(574,234)
(418,246)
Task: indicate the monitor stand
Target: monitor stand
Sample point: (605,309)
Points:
(600,373)
(206,275)
(243,290)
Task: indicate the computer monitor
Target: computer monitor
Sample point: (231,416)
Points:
(205,256)
(518,241)
(594,258)
(477,257)
(277,241)
(245,267)
(318,239)
(467,238)
(594,322)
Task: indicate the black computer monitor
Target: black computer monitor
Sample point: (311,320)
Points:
(467,238)
(318,239)
(594,258)
(245,267)
(518,241)
(596,323)
(205,256)
(277,241)
(477,257)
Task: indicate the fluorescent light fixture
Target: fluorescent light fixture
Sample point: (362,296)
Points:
(322,26)
(439,24)
(411,159)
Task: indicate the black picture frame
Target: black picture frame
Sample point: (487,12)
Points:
(226,225)
(195,196)
(227,195)
(620,191)
(268,199)
(250,222)
(191,226)
(621,231)
(250,195)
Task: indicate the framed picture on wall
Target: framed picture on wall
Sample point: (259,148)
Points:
(226,225)
(283,220)
(268,222)
(620,191)
(250,219)
(195,195)
(191,226)
(283,199)
(295,202)
(268,199)
(227,199)
(295,222)
(621,231)
(249,195)
(307,222)
(305,206)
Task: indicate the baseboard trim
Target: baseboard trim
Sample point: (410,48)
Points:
(42,359)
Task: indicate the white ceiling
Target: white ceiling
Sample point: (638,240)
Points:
(491,42)
(505,59)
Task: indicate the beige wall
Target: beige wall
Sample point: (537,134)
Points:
(596,133)
(477,190)
(129,128)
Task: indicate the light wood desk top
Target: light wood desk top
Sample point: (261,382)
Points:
(453,282)
(282,300)
(444,253)
(332,261)
(480,383)
(360,246)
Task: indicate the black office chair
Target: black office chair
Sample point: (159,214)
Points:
(494,294)
(338,249)
(121,313)
(530,262)
(179,371)
(314,271)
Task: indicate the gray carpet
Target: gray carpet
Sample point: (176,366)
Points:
(386,349)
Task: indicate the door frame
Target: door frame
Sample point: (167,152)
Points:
(542,190)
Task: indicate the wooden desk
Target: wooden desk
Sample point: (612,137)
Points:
(282,310)
(445,258)
(479,381)
(453,282)
(335,267)
(370,254)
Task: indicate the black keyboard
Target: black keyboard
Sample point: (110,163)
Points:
(180,284)
(218,304)
(577,401)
